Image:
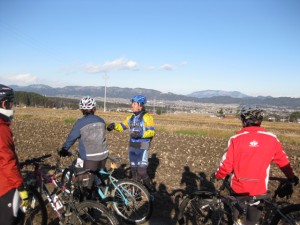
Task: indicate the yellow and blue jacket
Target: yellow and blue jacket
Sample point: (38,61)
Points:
(142,124)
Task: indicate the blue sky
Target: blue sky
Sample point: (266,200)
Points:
(178,46)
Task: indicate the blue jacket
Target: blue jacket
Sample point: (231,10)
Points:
(90,130)
(141,123)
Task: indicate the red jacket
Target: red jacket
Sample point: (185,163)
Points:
(249,155)
(10,176)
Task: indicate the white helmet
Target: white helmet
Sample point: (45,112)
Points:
(87,103)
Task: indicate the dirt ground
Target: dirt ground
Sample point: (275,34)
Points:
(175,160)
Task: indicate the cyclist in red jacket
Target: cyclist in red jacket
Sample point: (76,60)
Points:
(249,155)
(11,181)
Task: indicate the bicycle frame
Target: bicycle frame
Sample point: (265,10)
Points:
(112,181)
(128,198)
(61,197)
(272,209)
(42,179)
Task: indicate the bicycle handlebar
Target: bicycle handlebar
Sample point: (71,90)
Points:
(280,179)
(226,184)
(34,160)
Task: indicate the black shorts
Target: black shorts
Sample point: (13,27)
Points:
(9,207)
(138,157)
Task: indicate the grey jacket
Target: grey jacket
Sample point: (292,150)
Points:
(90,130)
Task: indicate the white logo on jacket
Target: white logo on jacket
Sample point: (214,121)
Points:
(253,144)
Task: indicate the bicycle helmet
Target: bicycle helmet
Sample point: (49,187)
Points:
(6,93)
(140,99)
(87,103)
(251,115)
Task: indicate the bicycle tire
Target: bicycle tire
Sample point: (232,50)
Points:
(36,212)
(195,210)
(90,212)
(139,207)
(291,212)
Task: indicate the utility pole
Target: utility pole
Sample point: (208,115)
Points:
(105,77)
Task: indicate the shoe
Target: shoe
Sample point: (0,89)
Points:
(151,188)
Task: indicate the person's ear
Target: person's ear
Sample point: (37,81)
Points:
(244,123)
(2,105)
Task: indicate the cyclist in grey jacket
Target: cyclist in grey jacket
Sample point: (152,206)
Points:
(90,131)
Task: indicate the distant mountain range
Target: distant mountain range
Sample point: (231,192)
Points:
(206,96)
(215,93)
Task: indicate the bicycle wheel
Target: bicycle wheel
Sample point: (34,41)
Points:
(92,213)
(290,215)
(199,209)
(36,212)
(136,205)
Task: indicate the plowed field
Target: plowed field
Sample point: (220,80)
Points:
(184,147)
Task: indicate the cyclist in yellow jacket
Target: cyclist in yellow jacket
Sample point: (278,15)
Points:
(141,128)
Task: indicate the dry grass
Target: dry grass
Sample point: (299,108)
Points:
(187,124)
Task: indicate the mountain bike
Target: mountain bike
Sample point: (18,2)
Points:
(212,207)
(67,210)
(127,198)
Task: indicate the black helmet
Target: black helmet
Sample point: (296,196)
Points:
(6,93)
(252,115)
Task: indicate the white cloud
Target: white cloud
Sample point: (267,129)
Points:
(125,64)
(118,64)
(183,63)
(167,67)
(25,78)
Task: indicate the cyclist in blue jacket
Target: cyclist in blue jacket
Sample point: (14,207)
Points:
(90,131)
(141,129)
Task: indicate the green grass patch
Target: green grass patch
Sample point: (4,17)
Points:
(218,133)
(24,116)
(192,132)
(70,120)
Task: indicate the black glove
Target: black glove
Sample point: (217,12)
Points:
(64,152)
(213,177)
(135,134)
(111,127)
(295,180)
(284,190)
